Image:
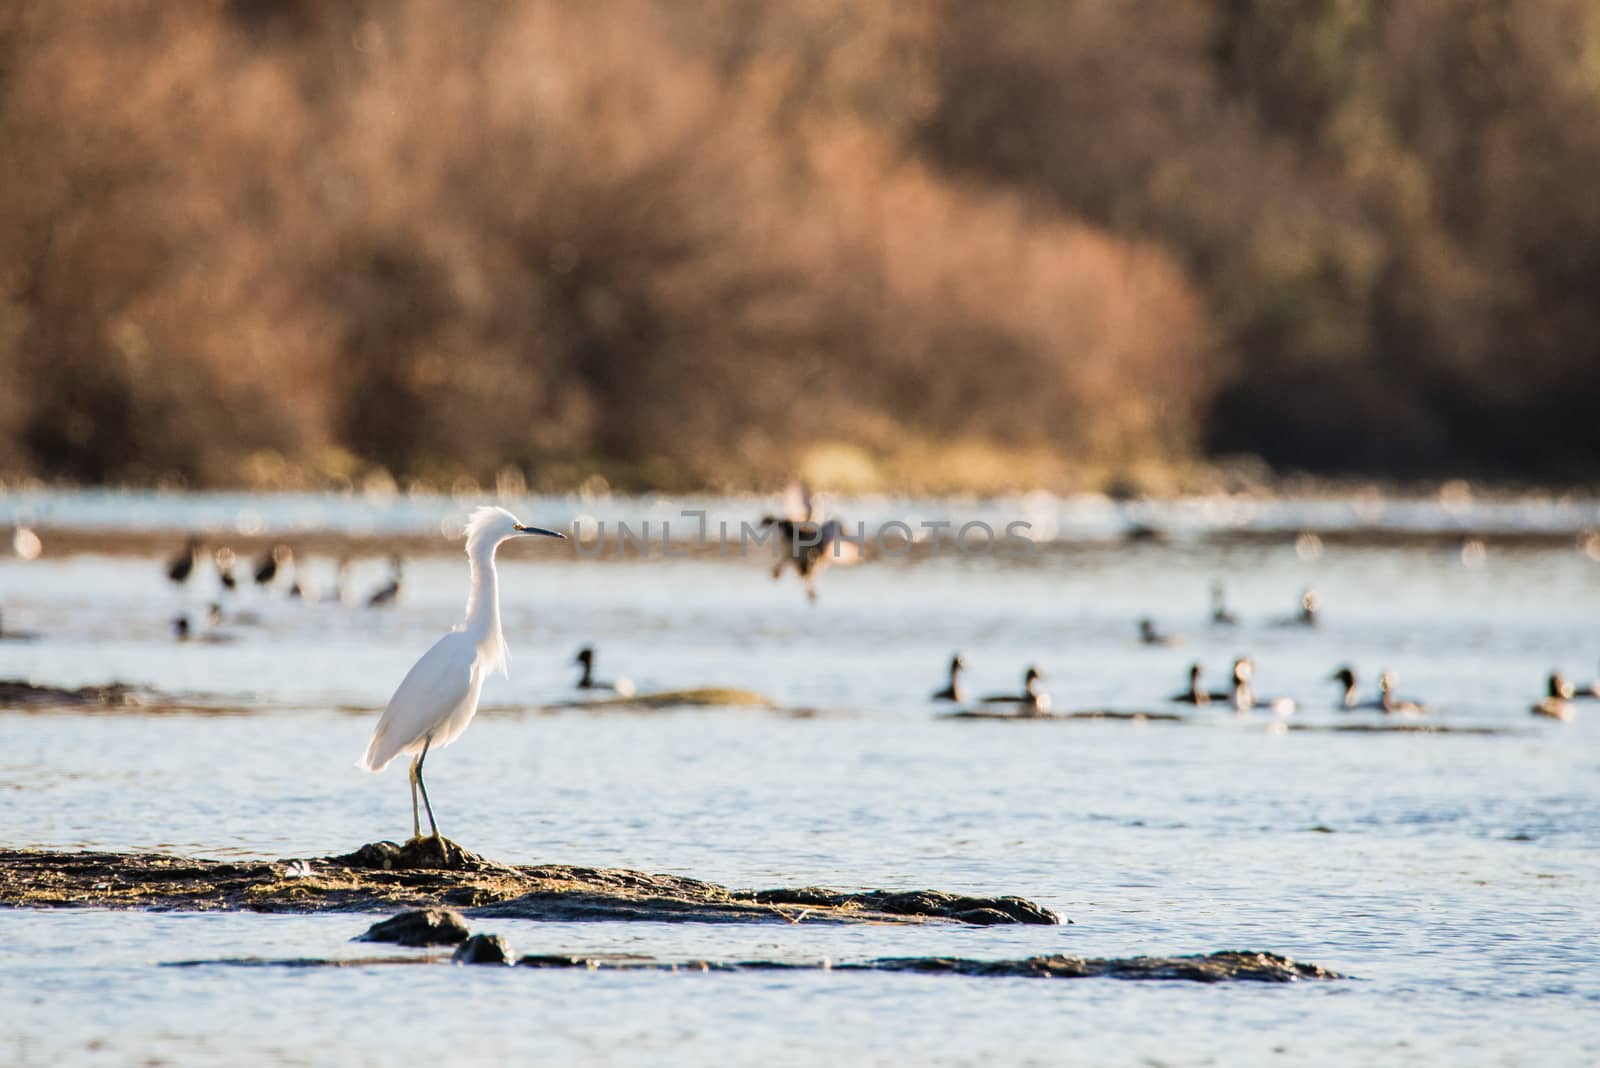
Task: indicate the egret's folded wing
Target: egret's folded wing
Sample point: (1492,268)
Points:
(433,689)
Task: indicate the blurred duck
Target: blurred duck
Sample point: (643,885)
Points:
(269,563)
(1244,696)
(807,541)
(585,657)
(15,635)
(1310,605)
(1557,703)
(181,566)
(1149,635)
(385,594)
(1196,694)
(183,632)
(1392,705)
(953,692)
(1386,701)
(225,561)
(1032,701)
(1351,698)
(1220,616)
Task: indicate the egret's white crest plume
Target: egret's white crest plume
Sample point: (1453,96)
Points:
(437,698)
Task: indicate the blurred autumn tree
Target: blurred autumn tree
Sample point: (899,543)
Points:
(275,241)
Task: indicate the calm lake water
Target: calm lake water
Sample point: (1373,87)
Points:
(1457,876)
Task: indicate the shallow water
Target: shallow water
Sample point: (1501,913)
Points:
(1454,875)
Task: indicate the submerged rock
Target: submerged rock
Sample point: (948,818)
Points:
(419,927)
(1089,714)
(982,911)
(1224,967)
(1207,968)
(426,874)
(15,693)
(704,697)
(484,949)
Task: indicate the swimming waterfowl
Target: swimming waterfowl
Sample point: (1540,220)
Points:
(1351,698)
(1310,605)
(181,566)
(1392,705)
(807,541)
(1197,695)
(1557,702)
(269,562)
(184,633)
(621,687)
(953,691)
(1244,695)
(1149,635)
(1031,701)
(15,635)
(1220,616)
(224,561)
(386,593)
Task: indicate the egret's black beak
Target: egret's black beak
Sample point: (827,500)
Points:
(539,530)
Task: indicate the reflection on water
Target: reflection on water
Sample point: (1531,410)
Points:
(1455,874)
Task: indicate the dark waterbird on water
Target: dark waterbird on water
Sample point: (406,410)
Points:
(953,692)
(270,562)
(182,565)
(1557,702)
(1031,701)
(15,635)
(225,561)
(1220,616)
(585,657)
(385,594)
(1310,605)
(1149,635)
(1386,702)
(1244,696)
(807,541)
(1195,694)
(183,632)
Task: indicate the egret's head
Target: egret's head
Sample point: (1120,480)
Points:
(489,526)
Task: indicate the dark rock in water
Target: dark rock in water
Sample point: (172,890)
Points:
(419,927)
(386,876)
(15,693)
(484,949)
(1208,968)
(1100,714)
(983,911)
(1224,967)
(419,853)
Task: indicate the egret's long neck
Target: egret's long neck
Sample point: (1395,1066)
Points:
(483,603)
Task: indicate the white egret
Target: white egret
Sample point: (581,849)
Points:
(437,698)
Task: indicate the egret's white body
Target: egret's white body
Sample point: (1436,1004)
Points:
(439,695)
